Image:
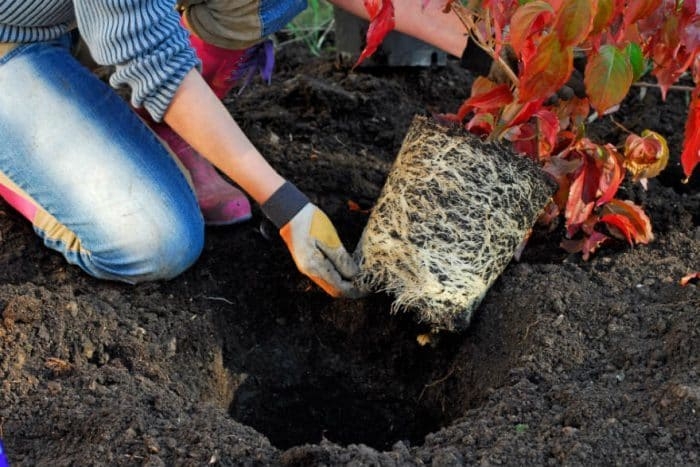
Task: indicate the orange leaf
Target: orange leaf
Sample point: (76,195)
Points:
(573,112)
(574,21)
(381,23)
(560,168)
(527,20)
(685,280)
(547,71)
(604,16)
(639,9)
(629,219)
(608,78)
(355,207)
(691,146)
(645,156)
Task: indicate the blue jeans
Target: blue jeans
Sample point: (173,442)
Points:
(95,182)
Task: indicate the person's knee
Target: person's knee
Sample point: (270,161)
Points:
(174,251)
(156,252)
(167,253)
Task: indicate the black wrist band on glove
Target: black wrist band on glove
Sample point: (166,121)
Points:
(284,204)
(475,59)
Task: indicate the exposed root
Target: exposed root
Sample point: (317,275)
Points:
(449,219)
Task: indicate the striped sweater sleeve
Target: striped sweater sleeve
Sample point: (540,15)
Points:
(146,43)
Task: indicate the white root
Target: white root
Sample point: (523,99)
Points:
(448,221)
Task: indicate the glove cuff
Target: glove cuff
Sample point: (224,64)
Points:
(284,204)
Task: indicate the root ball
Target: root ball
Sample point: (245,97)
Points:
(448,221)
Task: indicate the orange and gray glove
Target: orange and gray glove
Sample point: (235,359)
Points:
(312,240)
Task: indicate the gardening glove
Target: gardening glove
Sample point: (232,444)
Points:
(312,240)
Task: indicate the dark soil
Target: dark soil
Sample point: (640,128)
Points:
(242,361)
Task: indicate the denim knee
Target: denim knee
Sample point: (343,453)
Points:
(156,251)
(101,188)
(146,247)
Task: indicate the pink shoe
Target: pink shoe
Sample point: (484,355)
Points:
(220,202)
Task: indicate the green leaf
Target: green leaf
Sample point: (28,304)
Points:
(604,16)
(608,78)
(636,57)
(521,427)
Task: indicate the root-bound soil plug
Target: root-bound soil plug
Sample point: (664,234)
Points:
(448,221)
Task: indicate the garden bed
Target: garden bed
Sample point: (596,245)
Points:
(242,360)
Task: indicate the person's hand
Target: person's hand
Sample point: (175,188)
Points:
(313,241)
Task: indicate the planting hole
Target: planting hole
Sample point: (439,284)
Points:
(352,373)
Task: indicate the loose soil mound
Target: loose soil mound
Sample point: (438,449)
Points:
(242,361)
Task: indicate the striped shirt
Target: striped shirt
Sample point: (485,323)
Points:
(143,39)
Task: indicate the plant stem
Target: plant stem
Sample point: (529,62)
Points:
(465,16)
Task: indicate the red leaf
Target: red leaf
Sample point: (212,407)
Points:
(524,139)
(630,220)
(516,113)
(481,124)
(537,137)
(381,23)
(527,20)
(611,174)
(372,7)
(355,207)
(548,129)
(485,97)
(581,202)
(622,226)
(691,146)
(560,168)
(670,56)
(639,9)
(547,71)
